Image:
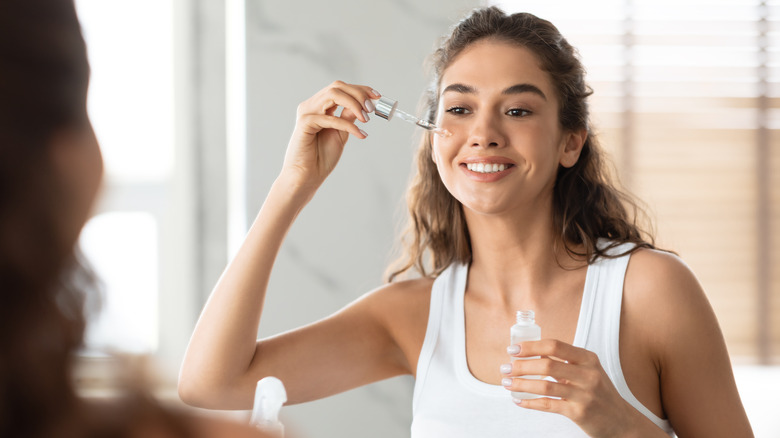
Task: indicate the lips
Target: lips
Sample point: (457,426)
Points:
(487,165)
(487,169)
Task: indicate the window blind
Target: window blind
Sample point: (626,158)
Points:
(687,103)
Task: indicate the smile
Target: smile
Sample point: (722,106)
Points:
(487,167)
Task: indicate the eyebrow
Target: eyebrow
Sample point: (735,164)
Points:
(514,89)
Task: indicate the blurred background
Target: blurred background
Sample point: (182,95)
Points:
(193,102)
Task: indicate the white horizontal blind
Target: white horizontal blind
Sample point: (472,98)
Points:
(687,101)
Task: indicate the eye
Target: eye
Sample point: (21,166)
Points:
(518,112)
(458,110)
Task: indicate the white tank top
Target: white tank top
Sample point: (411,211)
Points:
(450,402)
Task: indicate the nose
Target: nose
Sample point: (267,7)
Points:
(485,131)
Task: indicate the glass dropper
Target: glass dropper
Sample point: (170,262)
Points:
(386,108)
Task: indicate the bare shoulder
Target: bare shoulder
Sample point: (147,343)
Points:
(651,269)
(662,293)
(667,312)
(401,304)
(402,293)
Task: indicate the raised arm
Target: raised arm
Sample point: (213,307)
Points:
(224,360)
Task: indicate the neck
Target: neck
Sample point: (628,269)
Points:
(515,259)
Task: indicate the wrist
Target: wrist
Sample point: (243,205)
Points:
(293,188)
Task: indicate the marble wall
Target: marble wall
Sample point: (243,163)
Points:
(341,243)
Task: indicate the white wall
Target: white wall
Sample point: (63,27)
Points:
(340,245)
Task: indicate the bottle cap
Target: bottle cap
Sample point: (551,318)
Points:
(385,107)
(270,395)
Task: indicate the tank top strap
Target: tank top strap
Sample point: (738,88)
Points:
(438,319)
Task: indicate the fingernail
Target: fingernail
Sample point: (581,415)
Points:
(513,349)
(369,105)
(506,368)
(517,400)
(506,382)
(363,132)
(376,93)
(365,116)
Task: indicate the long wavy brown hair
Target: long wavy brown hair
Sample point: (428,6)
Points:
(44,76)
(587,205)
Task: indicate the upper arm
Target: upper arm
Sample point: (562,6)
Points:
(696,380)
(369,340)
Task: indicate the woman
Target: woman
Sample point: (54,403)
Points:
(516,212)
(50,170)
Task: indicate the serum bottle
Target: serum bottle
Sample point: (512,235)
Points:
(525,330)
(270,395)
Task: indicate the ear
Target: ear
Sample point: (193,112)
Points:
(572,147)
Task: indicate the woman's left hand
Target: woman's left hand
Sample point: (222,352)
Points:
(583,392)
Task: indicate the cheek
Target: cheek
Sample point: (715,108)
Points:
(97,156)
(443,157)
(438,148)
(442,152)
(89,177)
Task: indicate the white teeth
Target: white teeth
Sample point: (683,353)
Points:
(486,167)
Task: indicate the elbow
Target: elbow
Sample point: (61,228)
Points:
(195,390)
(200,392)
(189,391)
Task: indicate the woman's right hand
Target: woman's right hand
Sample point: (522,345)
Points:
(319,136)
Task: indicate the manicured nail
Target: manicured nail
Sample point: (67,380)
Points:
(506,381)
(506,368)
(363,132)
(517,400)
(365,116)
(369,105)
(513,349)
(376,93)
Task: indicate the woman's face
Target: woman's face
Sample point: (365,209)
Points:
(506,143)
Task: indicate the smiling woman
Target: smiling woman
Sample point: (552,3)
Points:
(548,232)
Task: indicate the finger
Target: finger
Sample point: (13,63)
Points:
(579,377)
(327,101)
(348,115)
(314,123)
(538,386)
(544,404)
(544,366)
(356,97)
(558,349)
(338,97)
(361,93)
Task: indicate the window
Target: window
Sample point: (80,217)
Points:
(131,108)
(159,238)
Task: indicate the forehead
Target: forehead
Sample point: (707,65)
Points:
(492,66)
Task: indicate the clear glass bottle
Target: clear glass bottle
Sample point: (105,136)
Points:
(525,330)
